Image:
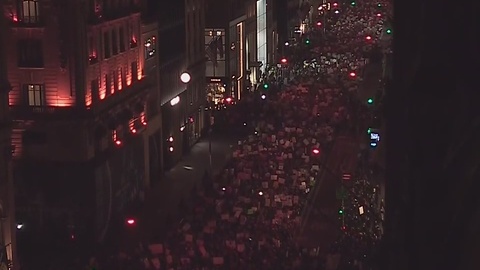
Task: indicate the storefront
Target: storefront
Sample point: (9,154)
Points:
(217,90)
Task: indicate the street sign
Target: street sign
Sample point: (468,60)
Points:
(346,177)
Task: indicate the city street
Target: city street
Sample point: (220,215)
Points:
(321,225)
(164,199)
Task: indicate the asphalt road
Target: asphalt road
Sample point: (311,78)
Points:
(322,224)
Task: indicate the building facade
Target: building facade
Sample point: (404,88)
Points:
(240,42)
(7,203)
(181,103)
(80,85)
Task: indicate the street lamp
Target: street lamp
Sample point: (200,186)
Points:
(185,77)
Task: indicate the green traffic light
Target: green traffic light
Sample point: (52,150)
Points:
(307,41)
(353,3)
(265,86)
(340,211)
(389,31)
(370,101)
(369,130)
(379,5)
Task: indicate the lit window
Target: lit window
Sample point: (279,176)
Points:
(35,94)
(30,11)
(150,45)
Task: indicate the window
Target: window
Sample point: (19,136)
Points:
(150,45)
(30,53)
(121,34)
(134,71)
(114,42)
(115,81)
(35,94)
(108,85)
(123,76)
(33,137)
(30,12)
(106,46)
(95,88)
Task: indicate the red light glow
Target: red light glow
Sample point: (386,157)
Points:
(284,60)
(368,38)
(118,142)
(335,4)
(319,23)
(143,119)
(130,221)
(379,14)
(229,99)
(352,74)
(316,151)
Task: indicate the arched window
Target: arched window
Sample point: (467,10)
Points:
(30,11)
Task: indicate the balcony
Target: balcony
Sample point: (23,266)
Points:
(128,96)
(21,112)
(131,94)
(112,14)
(27,22)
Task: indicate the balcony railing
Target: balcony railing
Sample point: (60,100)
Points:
(132,92)
(127,96)
(112,14)
(25,112)
(28,22)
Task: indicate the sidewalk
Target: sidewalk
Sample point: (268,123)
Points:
(163,200)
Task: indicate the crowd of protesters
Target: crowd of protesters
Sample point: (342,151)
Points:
(245,218)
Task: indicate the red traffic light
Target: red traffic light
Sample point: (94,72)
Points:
(335,4)
(379,14)
(319,23)
(352,74)
(368,38)
(316,151)
(131,221)
(228,99)
(284,60)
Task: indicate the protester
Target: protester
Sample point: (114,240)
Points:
(245,218)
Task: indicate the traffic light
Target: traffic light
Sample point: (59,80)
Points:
(340,211)
(379,5)
(283,60)
(368,38)
(353,3)
(263,96)
(369,130)
(388,31)
(265,86)
(307,41)
(319,23)
(370,101)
